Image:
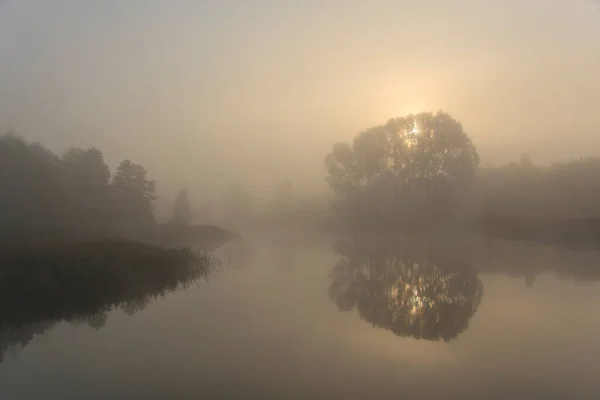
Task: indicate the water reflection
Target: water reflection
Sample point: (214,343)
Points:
(83,283)
(429,287)
(412,286)
(530,260)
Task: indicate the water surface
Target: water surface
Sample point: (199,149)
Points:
(310,316)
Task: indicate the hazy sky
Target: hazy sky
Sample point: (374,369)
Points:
(200,90)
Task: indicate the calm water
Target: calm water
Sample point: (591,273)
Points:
(306,316)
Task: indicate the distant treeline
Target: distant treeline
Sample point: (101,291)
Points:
(560,201)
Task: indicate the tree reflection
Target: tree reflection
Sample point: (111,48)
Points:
(529,260)
(411,286)
(82,283)
(12,339)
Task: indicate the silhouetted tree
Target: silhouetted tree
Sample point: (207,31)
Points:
(133,176)
(31,194)
(134,194)
(182,213)
(86,168)
(410,170)
(407,287)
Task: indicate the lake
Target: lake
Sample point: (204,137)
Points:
(304,316)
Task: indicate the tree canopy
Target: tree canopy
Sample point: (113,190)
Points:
(135,193)
(40,190)
(411,169)
(133,176)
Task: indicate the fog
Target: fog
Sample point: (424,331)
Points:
(299,199)
(208,93)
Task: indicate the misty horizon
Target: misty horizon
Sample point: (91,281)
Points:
(299,199)
(212,92)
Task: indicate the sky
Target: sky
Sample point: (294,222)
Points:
(206,92)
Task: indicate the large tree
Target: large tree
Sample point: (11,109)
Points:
(134,194)
(410,170)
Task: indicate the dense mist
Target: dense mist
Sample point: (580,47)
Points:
(299,199)
(209,94)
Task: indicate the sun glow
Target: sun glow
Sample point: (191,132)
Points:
(410,136)
(410,298)
(415,129)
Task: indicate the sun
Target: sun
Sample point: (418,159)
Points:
(410,137)
(415,129)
